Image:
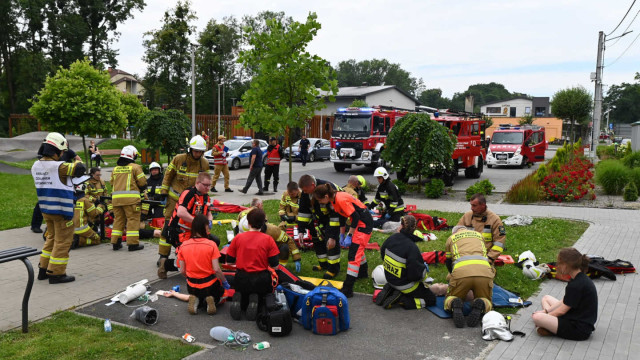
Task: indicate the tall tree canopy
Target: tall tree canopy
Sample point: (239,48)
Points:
(573,104)
(626,100)
(377,72)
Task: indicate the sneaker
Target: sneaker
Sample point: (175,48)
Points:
(252,309)
(477,310)
(211,305)
(458,316)
(193,304)
(391,299)
(543,332)
(228,190)
(242,191)
(236,306)
(383,294)
(162,272)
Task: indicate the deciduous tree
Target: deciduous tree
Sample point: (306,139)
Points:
(165,130)
(377,72)
(573,104)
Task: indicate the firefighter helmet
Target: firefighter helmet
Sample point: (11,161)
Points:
(362,181)
(531,271)
(57,140)
(379,280)
(527,255)
(81,187)
(198,143)
(494,326)
(243,225)
(129,152)
(155,165)
(381,172)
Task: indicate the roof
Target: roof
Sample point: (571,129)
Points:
(113,72)
(362,91)
(509,99)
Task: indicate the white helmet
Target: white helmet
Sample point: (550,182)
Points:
(527,255)
(379,280)
(531,271)
(129,152)
(243,225)
(154,165)
(494,326)
(381,171)
(57,140)
(81,187)
(198,143)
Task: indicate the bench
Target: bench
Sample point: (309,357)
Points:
(22,253)
(104,152)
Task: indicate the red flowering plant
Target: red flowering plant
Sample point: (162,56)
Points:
(572,181)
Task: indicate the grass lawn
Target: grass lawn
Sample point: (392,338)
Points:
(17,201)
(70,336)
(26,164)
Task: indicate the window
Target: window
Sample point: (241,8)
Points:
(493,110)
(541,111)
(387,124)
(527,110)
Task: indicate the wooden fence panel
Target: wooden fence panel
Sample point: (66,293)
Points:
(22,123)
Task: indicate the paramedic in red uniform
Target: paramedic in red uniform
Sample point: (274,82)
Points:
(253,252)
(358,235)
(193,201)
(198,258)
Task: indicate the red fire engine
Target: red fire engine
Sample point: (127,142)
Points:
(359,135)
(519,145)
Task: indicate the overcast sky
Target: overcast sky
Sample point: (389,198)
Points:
(534,47)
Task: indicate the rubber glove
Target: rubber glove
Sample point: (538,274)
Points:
(226,285)
(347,241)
(387,216)
(426,265)
(342,240)
(298,266)
(372,212)
(210,224)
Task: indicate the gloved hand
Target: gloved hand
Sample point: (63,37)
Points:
(291,219)
(372,212)
(387,216)
(346,242)
(298,266)
(210,224)
(426,265)
(341,239)
(226,285)
(283,218)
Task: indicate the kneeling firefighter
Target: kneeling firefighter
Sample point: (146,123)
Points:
(85,214)
(358,235)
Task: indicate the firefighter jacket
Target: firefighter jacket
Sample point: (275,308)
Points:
(154,187)
(404,267)
(219,153)
(357,193)
(274,155)
(182,173)
(86,213)
(289,204)
(53,185)
(349,207)
(494,235)
(127,183)
(281,237)
(465,249)
(323,216)
(389,195)
(96,188)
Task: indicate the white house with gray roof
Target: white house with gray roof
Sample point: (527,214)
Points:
(387,95)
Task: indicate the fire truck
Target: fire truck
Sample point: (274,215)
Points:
(359,135)
(518,145)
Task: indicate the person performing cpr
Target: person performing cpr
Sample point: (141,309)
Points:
(358,235)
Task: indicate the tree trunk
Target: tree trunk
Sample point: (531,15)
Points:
(9,75)
(290,158)
(86,154)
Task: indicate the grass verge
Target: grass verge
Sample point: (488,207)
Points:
(70,336)
(17,202)
(26,164)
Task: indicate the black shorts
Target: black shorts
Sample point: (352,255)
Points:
(567,330)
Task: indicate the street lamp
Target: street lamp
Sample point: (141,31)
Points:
(193,89)
(219,130)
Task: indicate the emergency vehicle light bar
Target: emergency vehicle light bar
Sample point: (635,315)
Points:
(356,109)
(242,137)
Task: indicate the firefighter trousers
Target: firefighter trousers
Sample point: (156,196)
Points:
(419,298)
(328,259)
(217,169)
(55,252)
(126,216)
(86,236)
(459,287)
(164,248)
(357,257)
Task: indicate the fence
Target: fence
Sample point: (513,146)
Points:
(22,123)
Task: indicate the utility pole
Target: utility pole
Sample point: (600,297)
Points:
(193,90)
(597,109)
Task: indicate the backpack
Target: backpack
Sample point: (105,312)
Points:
(434,257)
(295,298)
(276,318)
(325,311)
(426,222)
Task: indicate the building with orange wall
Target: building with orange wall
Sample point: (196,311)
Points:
(552,125)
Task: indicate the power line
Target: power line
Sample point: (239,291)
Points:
(625,50)
(625,30)
(624,17)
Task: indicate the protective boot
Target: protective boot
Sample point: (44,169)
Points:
(458,316)
(135,247)
(266,185)
(347,286)
(160,258)
(211,305)
(193,304)
(60,279)
(118,245)
(236,306)
(42,274)
(252,308)
(275,186)
(477,309)
(363,273)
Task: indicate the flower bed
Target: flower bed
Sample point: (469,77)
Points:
(573,181)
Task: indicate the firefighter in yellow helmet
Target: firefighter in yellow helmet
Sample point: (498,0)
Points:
(55,191)
(128,181)
(180,175)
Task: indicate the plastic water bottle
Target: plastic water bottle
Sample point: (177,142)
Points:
(261,345)
(107,325)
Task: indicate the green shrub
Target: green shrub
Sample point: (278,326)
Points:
(632,160)
(612,175)
(541,173)
(402,187)
(525,191)
(434,188)
(634,175)
(480,187)
(630,192)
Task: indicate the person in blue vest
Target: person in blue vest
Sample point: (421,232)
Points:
(55,191)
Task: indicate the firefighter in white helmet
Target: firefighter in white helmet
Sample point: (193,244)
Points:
(388,194)
(154,189)
(55,192)
(127,181)
(180,175)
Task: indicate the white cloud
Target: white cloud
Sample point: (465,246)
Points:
(535,47)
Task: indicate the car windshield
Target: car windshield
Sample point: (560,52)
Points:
(359,123)
(234,144)
(507,138)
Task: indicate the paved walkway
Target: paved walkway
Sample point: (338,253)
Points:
(101,272)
